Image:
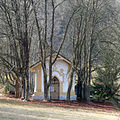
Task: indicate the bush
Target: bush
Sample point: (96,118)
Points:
(106,84)
(103,92)
(5,89)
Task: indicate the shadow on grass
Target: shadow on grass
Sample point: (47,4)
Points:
(14,102)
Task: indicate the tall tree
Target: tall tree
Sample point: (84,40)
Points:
(46,45)
(17,33)
(90,23)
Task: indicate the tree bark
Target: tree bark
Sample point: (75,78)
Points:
(45,87)
(79,88)
(26,50)
(17,92)
(70,84)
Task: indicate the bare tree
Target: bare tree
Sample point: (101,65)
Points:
(89,24)
(17,33)
(47,44)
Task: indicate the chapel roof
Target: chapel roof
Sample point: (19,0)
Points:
(59,56)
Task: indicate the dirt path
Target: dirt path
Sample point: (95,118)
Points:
(12,110)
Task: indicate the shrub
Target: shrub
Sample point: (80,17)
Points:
(5,89)
(106,84)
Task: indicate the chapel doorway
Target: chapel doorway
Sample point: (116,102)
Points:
(54,89)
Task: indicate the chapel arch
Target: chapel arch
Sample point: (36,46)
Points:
(55,89)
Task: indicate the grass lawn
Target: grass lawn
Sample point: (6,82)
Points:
(15,110)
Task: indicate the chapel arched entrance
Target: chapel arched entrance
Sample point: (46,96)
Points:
(55,89)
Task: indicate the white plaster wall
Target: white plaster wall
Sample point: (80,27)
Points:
(63,68)
(73,87)
(60,68)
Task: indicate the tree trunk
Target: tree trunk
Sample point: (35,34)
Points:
(79,88)
(86,93)
(26,49)
(45,87)
(51,45)
(70,85)
(44,58)
(17,95)
(23,88)
(27,79)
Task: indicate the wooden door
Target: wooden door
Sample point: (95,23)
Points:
(54,89)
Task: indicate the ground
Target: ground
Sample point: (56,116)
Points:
(16,109)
